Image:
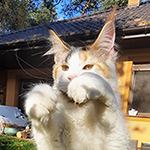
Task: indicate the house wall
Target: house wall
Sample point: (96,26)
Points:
(135,55)
(139,126)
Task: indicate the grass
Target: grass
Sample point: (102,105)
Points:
(11,143)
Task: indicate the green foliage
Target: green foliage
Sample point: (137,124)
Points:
(42,12)
(13,14)
(77,6)
(10,143)
(18,14)
(110,3)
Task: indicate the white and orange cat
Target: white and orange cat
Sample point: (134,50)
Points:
(81,111)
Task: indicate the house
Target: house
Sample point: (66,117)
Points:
(21,61)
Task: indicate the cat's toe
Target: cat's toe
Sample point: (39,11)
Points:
(38,111)
(77,93)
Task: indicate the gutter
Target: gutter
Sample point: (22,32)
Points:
(133,38)
(136,36)
(142,31)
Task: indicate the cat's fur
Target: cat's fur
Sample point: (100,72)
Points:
(82,109)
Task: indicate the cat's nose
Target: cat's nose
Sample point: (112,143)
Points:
(71,77)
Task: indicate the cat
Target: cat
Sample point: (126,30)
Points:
(81,111)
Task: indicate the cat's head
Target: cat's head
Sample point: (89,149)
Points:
(98,58)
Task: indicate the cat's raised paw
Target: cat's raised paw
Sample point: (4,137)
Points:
(77,93)
(40,102)
(83,89)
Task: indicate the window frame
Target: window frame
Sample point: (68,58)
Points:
(137,67)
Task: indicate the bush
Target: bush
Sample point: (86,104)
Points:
(11,143)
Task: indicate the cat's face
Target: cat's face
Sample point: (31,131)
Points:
(78,61)
(71,62)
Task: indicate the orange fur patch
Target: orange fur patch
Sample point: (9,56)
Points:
(105,69)
(55,70)
(83,55)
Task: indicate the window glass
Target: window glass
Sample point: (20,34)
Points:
(25,86)
(141,91)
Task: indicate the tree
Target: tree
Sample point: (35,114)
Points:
(88,6)
(13,15)
(42,11)
(18,14)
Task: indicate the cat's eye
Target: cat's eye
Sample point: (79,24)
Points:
(64,67)
(88,67)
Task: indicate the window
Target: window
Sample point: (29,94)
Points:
(140,96)
(25,86)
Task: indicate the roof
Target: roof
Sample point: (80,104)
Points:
(126,18)
(27,34)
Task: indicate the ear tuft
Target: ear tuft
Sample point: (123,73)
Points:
(105,41)
(59,47)
(57,42)
(112,15)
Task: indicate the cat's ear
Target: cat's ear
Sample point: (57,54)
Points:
(104,44)
(59,47)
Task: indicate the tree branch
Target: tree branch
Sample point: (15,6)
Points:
(87,5)
(57,3)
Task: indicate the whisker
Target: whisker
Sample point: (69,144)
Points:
(50,62)
(20,59)
(50,70)
(39,53)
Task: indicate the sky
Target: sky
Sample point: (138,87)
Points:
(58,9)
(61,15)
